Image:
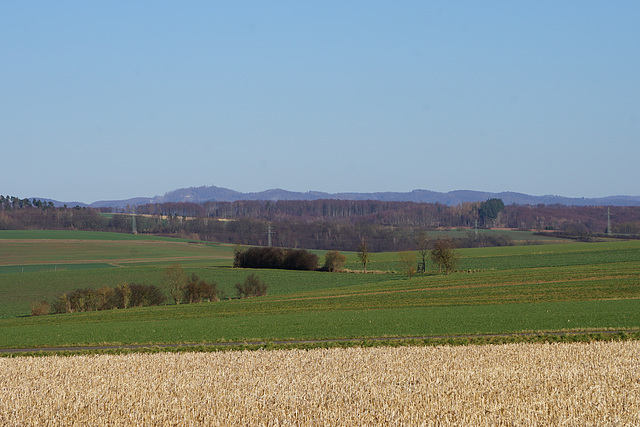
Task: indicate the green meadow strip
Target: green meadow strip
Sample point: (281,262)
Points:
(191,324)
(562,287)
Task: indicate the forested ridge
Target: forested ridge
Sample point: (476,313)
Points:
(319,224)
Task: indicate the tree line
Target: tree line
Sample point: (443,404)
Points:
(320,224)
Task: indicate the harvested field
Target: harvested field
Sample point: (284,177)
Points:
(516,384)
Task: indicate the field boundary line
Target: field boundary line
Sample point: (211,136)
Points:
(6,351)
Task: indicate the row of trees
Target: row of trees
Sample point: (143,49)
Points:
(191,289)
(489,213)
(183,288)
(320,224)
(123,296)
(381,212)
(440,251)
(8,203)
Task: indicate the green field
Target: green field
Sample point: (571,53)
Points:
(560,287)
(64,248)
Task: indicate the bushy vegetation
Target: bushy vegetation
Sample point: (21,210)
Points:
(191,289)
(251,287)
(275,258)
(188,289)
(483,240)
(125,295)
(334,261)
(198,290)
(444,255)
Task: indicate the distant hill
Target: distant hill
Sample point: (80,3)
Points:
(213,193)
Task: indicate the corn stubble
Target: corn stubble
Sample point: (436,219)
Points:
(525,384)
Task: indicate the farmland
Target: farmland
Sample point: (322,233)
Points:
(560,287)
(50,250)
(515,384)
(547,291)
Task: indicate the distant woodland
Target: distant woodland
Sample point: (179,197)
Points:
(323,224)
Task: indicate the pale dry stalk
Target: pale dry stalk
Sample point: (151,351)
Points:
(514,384)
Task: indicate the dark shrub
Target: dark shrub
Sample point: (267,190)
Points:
(259,258)
(334,261)
(145,295)
(40,308)
(252,287)
(299,259)
(198,290)
(290,259)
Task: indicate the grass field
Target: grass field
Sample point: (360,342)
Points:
(497,290)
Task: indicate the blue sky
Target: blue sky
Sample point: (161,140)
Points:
(111,100)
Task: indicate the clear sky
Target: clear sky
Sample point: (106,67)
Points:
(115,99)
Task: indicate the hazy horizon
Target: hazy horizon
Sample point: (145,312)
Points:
(89,202)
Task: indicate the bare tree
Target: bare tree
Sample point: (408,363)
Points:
(175,279)
(422,242)
(363,254)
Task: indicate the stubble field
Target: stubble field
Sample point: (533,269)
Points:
(515,384)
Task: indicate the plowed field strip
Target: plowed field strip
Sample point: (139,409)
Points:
(122,260)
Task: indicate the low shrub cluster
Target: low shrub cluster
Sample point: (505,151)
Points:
(198,290)
(252,287)
(277,258)
(483,241)
(183,288)
(40,308)
(124,295)
(333,261)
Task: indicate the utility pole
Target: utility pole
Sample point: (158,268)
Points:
(608,220)
(133,208)
(269,233)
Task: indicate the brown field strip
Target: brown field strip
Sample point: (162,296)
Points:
(46,252)
(117,261)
